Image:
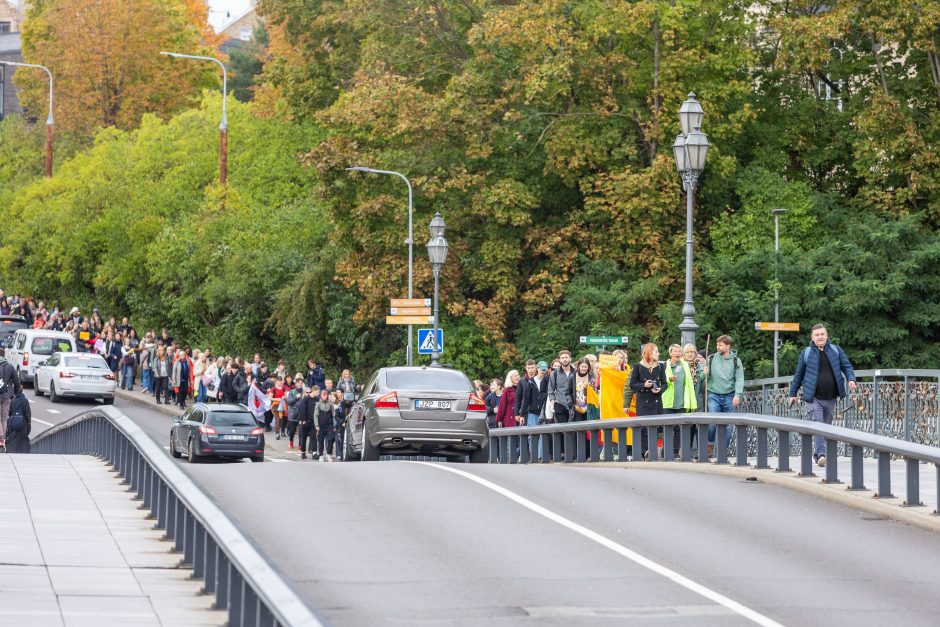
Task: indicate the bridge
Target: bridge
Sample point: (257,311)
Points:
(749,538)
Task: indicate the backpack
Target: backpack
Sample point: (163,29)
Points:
(17,422)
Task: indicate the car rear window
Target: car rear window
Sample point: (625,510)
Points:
(9,326)
(431,380)
(86,361)
(232,419)
(49,345)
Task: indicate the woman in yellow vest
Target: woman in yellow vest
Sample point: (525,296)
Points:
(679,395)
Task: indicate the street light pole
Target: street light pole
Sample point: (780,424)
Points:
(223,126)
(777,213)
(690,150)
(409,354)
(437,253)
(50,121)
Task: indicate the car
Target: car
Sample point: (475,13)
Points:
(30,348)
(417,410)
(8,326)
(217,430)
(75,375)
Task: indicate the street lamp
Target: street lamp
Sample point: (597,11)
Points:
(690,150)
(777,213)
(409,354)
(437,253)
(49,120)
(223,126)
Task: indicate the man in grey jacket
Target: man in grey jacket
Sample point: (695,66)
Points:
(561,387)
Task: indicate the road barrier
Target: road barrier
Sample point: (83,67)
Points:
(234,570)
(903,404)
(582,442)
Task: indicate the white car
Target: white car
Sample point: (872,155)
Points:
(78,375)
(30,348)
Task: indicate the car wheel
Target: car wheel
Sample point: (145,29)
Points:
(480,456)
(36,389)
(348,453)
(53,397)
(109,400)
(191,456)
(259,459)
(173,452)
(369,453)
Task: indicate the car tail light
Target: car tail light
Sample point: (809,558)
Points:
(65,374)
(476,404)
(109,377)
(207,430)
(389,401)
(257,431)
(25,359)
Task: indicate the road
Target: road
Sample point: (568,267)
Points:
(391,543)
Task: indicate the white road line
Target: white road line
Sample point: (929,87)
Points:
(53,411)
(48,424)
(618,548)
(30,400)
(275,459)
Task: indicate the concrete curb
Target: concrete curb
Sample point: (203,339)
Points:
(864,500)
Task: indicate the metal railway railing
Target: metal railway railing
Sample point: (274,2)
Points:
(234,570)
(582,442)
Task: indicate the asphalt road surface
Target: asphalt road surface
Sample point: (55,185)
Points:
(403,543)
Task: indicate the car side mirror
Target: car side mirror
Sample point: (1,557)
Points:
(177,418)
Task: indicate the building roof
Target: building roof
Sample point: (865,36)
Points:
(10,42)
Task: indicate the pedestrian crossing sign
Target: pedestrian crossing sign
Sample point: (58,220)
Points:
(426,341)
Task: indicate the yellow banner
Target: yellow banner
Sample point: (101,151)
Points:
(613,382)
(607,361)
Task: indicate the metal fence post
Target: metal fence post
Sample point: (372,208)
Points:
(523,449)
(907,409)
(913,483)
(595,448)
(832,461)
(741,446)
(858,468)
(884,476)
(806,455)
(702,437)
(783,451)
(622,444)
(609,445)
(494,449)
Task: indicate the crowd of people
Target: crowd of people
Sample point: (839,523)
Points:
(305,405)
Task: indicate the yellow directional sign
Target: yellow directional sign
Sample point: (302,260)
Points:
(776,326)
(411,311)
(409,319)
(410,302)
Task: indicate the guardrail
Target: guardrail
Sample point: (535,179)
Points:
(233,569)
(581,442)
(898,403)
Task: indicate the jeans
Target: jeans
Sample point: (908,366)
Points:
(820,411)
(720,404)
(530,421)
(127,377)
(202,396)
(146,380)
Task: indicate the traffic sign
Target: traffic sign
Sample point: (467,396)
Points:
(425,343)
(776,326)
(410,302)
(604,340)
(409,319)
(410,311)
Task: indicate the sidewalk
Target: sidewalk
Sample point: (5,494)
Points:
(76,551)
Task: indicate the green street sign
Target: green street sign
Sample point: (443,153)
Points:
(604,340)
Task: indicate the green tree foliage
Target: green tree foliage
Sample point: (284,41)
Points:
(246,62)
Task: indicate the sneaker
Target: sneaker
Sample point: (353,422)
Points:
(821,461)
(278,437)
(324,459)
(291,445)
(303,456)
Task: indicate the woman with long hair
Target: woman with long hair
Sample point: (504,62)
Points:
(647,380)
(505,415)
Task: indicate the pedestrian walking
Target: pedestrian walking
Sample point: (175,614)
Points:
(293,397)
(323,419)
(162,369)
(10,386)
(822,371)
(724,373)
(492,402)
(19,425)
(527,396)
(647,381)
(679,395)
(561,388)
(180,377)
(128,365)
(505,414)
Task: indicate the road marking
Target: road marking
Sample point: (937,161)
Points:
(30,400)
(618,548)
(275,459)
(53,411)
(48,424)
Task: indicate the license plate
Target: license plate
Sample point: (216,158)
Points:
(233,437)
(89,377)
(440,405)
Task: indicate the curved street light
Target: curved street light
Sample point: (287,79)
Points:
(50,121)
(223,126)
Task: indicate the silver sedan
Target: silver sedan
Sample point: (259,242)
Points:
(428,411)
(75,375)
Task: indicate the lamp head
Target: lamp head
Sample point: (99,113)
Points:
(437,251)
(175,55)
(691,114)
(437,226)
(678,149)
(778,211)
(358,168)
(697,146)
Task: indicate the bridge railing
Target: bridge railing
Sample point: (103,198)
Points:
(234,570)
(897,403)
(606,441)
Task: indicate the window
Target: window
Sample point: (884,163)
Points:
(20,341)
(432,379)
(86,361)
(49,345)
(197,416)
(6,27)
(245,34)
(232,419)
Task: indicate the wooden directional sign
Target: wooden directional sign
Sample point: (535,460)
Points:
(409,319)
(410,302)
(411,311)
(776,326)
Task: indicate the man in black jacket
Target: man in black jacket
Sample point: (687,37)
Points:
(304,410)
(527,396)
(240,386)
(9,387)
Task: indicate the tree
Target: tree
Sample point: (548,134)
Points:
(104,55)
(246,62)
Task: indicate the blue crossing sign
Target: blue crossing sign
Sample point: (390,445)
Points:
(426,342)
